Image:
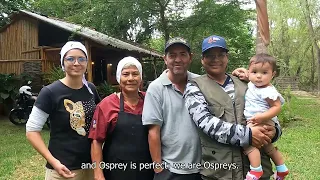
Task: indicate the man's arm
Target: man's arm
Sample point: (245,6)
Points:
(221,131)
(155,145)
(217,129)
(153,118)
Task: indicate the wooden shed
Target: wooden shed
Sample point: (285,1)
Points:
(31,43)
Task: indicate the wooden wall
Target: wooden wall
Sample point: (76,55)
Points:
(16,45)
(18,39)
(284,82)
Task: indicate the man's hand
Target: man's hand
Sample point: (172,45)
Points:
(271,131)
(62,170)
(259,137)
(241,73)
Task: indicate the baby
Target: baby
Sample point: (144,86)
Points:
(262,105)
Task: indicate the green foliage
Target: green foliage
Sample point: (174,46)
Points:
(7,7)
(10,84)
(227,20)
(105,89)
(287,115)
(54,74)
(291,42)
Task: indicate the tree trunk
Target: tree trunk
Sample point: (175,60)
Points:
(313,37)
(312,72)
(163,20)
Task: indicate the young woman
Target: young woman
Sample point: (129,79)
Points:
(70,103)
(117,123)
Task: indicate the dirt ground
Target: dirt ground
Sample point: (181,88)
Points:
(304,94)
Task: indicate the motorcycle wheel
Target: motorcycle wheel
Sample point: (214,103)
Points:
(17,117)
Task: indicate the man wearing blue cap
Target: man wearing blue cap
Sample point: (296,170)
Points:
(215,102)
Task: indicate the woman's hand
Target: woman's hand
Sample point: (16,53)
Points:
(62,170)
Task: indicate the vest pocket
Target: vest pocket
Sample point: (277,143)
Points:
(217,111)
(216,161)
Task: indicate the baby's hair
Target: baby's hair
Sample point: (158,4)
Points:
(264,58)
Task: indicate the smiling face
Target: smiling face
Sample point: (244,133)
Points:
(215,61)
(178,59)
(75,63)
(261,74)
(130,79)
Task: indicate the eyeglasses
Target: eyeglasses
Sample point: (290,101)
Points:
(212,57)
(72,60)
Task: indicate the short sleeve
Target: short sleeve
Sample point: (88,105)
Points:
(99,125)
(271,93)
(104,118)
(152,109)
(44,100)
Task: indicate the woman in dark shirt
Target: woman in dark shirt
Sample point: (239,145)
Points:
(70,103)
(117,123)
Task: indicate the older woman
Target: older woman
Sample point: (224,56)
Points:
(70,103)
(117,123)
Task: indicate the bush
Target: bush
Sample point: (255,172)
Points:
(286,115)
(54,74)
(105,89)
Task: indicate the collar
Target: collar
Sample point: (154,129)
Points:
(164,79)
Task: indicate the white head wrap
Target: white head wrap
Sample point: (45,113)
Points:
(128,60)
(74,45)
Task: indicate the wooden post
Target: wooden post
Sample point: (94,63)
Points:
(263,34)
(89,67)
(260,46)
(43,61)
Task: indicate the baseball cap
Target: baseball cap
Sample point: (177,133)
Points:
(176,40)
(214,41)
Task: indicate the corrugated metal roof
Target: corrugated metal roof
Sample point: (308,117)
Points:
(91,34)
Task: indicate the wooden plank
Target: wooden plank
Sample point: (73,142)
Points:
(29,51)
(53,49)
(19,60)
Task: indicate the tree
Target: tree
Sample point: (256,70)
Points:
(7,7)
(227,20)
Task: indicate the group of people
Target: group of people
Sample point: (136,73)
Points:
(184,127)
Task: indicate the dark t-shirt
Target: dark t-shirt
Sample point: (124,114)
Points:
(70,112)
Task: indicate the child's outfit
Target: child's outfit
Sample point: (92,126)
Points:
(255,103)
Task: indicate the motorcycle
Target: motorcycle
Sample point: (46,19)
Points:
(24,102)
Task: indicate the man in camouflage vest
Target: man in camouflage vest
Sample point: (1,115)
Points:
(215,102)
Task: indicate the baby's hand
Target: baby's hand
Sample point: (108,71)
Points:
(256,119)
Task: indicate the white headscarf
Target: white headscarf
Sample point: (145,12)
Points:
(128,60)
(74,45)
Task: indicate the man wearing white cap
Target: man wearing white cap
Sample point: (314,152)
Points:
(70,103)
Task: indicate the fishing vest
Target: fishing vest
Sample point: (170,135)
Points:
(222,161)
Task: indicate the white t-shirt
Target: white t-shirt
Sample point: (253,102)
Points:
(255,100)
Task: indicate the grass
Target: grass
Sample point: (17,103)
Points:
(18,159)
(300,144)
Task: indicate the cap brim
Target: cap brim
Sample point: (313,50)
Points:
(216,46)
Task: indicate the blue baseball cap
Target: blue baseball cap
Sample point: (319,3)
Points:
(214,41)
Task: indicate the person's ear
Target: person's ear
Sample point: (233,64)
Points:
(165,59)
(274,74)
(191,56)
(202,61)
